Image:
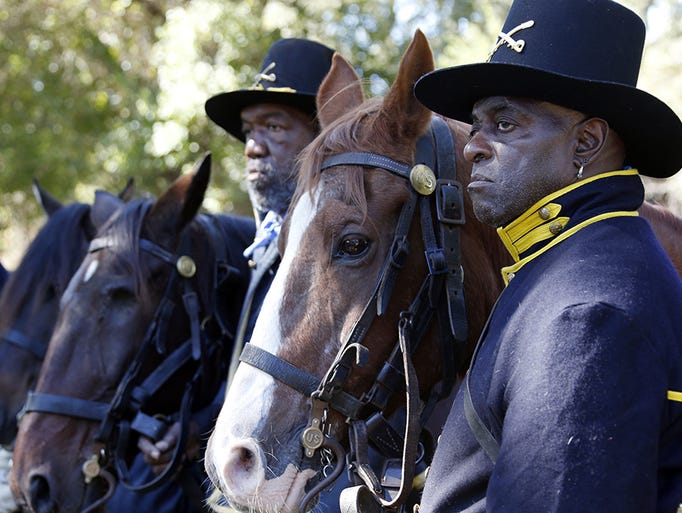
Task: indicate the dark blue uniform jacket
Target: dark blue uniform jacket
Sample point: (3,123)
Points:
(579,372)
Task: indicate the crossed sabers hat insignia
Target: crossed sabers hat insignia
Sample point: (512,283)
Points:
(517,46)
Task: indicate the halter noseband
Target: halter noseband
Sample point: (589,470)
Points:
(435,151)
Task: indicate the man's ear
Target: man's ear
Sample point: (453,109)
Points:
(591,138)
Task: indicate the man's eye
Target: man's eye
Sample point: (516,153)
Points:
(504,126)
(274,128)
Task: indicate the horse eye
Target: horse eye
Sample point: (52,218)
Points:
(353,246)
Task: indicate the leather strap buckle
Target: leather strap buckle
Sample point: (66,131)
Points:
(450,202)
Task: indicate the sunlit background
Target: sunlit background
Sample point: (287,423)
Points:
(95,92)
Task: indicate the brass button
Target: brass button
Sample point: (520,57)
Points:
(251,264)
(555,227)
(510,276)
(544,213)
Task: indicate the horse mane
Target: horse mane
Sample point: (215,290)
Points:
(51,258)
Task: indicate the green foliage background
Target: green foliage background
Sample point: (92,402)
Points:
(95,92)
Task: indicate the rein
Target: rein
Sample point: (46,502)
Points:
(123,415)
(441,293)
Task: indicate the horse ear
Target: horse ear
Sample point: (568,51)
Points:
(128,191)
(103,208)
(340,91)
(178,205)
(47,202)
(417,61)
(197,190)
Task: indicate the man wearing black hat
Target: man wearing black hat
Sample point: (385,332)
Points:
(275,119)
(573,401)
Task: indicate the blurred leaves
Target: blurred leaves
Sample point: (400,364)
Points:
(97,91)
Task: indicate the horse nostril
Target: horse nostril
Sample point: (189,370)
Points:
(39,495)
(243,471)
(246,459)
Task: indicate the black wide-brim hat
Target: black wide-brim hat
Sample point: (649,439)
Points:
(580,54)
(291,74)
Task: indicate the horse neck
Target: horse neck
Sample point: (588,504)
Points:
(668,229)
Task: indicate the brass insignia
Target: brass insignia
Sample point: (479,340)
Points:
(517,46)
(422,179)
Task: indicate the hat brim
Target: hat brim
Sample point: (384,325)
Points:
(651,130)
(224,109)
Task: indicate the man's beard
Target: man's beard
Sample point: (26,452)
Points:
(272,189)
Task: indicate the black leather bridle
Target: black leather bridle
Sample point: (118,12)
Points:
(123,416)
(441,294)
(19,339)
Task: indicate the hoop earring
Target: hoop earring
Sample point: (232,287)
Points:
(579,174)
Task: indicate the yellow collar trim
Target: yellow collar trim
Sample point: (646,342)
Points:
(510,271)
(532,227)
(542,222)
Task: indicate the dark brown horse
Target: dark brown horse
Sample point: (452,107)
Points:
(141,335)
(30,300)
(349,240)
(323,368)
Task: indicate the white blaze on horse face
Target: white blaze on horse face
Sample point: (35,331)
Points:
(82,275)
(250,391)
(250,395)
(90,271)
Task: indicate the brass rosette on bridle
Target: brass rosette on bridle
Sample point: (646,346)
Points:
(423,179)
(186,266)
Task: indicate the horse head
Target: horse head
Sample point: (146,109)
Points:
(367,302)
(30,300)
(140,337)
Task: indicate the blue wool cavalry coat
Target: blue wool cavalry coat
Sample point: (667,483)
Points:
(578,374)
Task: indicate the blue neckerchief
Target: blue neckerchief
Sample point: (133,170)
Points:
(267,232)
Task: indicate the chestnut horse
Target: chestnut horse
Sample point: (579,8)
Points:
(30,299)
(323,370)
(349,240)
(140,336)
(668,229)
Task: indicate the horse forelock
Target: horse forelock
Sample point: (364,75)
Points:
(362,129)
(51,259)
(123,231)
